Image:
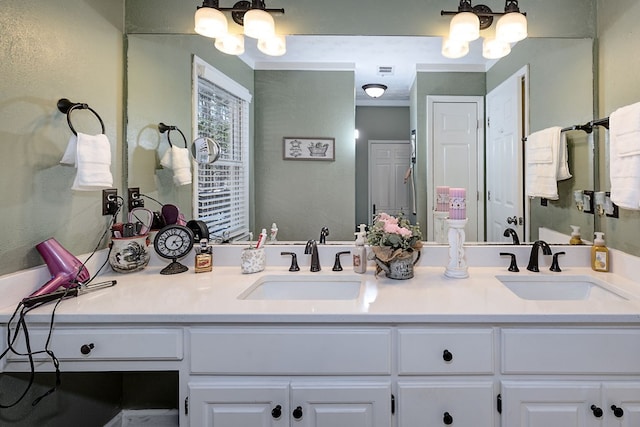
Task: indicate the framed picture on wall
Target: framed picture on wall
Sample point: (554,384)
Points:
(304,148)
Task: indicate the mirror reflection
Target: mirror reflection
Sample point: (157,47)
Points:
(552,85)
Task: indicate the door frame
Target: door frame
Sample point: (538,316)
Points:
(429,153)
(370,143)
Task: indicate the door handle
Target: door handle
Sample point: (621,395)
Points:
(512,220)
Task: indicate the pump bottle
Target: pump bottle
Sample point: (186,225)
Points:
(360,252)
(599,254)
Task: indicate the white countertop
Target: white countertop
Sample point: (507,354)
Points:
(188,298)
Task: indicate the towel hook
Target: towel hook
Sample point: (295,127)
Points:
(166,128)
(66,107)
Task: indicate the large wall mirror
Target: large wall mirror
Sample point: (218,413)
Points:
(560,93)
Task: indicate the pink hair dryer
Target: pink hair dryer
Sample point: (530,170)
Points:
(66,270)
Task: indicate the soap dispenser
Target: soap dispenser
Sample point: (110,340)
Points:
(360,252)
(576,239)
(599,254)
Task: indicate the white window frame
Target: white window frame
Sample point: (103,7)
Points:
(221,183)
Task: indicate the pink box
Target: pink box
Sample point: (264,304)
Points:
(457,203)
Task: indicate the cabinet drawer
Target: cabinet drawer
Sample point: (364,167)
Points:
(106,344)
(464,403)
(569,351)
(291,351)
(445,351)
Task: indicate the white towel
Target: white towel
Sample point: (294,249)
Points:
(179,160)
(546,162)
(624,156)
(91,155)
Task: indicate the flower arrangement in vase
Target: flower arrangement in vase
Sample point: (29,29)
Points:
(394,242)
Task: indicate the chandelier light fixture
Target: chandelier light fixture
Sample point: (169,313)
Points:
(374,90)
(210,21)
(468,20)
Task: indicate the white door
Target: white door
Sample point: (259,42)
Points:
(456,141)
(233,404)
(504,164)
(551,404)
(341,404)
(388,165)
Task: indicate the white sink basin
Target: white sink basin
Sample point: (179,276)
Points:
(560,287)
(296,287)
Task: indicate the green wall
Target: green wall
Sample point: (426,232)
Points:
(51,52)
(303,196)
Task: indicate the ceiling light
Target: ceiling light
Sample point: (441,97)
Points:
(231,44)
(276,45)
(258,24)
(465,26)
(511,27)
(454,48)
(374,90)
(493,48)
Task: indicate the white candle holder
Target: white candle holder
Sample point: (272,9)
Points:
(440,226)
(457,266)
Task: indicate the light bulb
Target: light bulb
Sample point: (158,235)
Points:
(258,24)
(210,22)
(231,44)
(465,26)
(511,27)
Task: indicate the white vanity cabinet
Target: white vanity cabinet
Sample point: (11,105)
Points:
(446,377)
(571,377)
(290,376)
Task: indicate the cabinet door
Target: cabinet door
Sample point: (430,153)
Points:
(550,404)
(456,403)
(235,404)
(341,404)
(624,398)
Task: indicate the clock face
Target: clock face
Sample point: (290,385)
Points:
(173,241)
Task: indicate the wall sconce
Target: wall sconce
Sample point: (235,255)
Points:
(469,20)
(254,16)
(604,205)
(583,200)
(374,90)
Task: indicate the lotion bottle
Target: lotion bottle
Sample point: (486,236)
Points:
(360,252)
(575,236)
(599,254)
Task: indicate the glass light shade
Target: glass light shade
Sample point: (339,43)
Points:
(494,48)
(231,44)
(454,48)
(258,24)
(276,45)
(374,90)
(210,22)
(511,27)
(464,26)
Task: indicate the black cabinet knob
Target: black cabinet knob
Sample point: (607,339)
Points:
(297,413)
(276,412)
(618,412)
(447,356)
(447,419)
(86,348)
(597,412)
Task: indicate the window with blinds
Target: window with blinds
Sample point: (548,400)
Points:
(221,193)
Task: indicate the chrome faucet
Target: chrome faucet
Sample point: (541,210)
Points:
(323,235)
(311,248)
(533,258)
(514,236)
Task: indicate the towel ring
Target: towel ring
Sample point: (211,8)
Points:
(166,128)
(66,107)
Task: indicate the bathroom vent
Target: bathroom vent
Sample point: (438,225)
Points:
(385,70)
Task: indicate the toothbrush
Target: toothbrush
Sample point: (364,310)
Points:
(261,238)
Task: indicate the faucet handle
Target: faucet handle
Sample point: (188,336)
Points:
(336,265)
(294,261)
(555,267)
(513,266)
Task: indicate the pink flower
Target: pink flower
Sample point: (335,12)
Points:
(387,219)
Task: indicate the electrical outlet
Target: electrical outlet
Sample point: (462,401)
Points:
(135,201)
(109,201)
